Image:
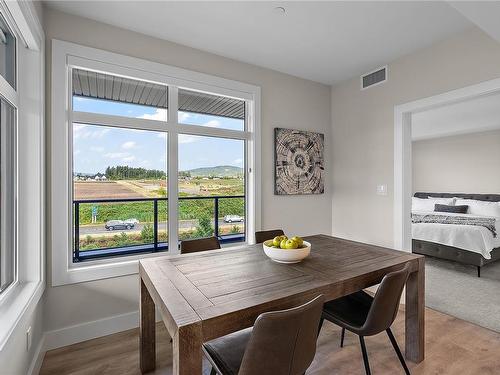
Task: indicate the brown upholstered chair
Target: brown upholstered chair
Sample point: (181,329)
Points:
(280,343)
(200,244)
(365,315)
(265,235)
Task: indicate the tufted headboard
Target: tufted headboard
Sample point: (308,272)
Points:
(479,197)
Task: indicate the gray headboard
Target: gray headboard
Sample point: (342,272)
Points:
(479,197)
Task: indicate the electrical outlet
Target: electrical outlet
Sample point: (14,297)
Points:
(28,338)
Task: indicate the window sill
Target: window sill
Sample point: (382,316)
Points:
(19,301)
(97,269)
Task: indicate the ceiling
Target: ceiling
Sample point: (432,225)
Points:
(471,116)
(325,42)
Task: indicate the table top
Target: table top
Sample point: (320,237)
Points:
(225,290)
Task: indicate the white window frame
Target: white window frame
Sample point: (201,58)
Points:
(22,296)
(66,56)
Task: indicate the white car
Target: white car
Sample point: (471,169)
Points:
(233,219)
(132,221)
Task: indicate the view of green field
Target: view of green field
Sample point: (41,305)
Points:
(196,216)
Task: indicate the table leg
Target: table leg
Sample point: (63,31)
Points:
(147,331)
(415,314)
(187,354)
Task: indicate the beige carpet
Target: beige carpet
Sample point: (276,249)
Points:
(456,290)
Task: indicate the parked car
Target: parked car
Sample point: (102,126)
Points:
(118,224)
(233,219)
(133,221)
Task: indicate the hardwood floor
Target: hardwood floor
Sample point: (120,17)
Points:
(453,346)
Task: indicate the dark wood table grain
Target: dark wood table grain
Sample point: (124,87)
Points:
(202,296)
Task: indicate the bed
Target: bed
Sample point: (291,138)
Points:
(473,245)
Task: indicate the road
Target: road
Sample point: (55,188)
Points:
(96,229)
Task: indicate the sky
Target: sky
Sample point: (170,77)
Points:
(97,147)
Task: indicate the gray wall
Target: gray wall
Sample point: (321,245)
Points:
(363,127)
(286,102)
(466,163)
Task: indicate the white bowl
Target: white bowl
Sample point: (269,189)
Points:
(287,255)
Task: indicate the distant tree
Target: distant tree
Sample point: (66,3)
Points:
(124,172)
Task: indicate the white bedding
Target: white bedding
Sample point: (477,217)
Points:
(468,237)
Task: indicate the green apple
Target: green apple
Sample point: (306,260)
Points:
(276,241)
(291,244)
(283,244)
(299,240)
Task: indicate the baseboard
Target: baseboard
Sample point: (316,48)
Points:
(90,330)
(36,363)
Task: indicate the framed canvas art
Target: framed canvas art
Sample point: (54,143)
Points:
(298,162)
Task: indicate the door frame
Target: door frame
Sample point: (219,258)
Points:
(403,151)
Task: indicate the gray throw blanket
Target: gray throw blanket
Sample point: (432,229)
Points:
(487,222)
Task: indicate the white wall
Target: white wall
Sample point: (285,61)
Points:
(459,164)
(363,126)
(286,102)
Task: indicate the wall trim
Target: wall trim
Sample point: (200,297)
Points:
(36,363)
(90,330)
(402,151)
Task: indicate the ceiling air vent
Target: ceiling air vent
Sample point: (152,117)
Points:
(374,78)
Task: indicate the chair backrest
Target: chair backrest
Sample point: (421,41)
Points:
(283,342)
(265,235)
(200,244)
(385,306)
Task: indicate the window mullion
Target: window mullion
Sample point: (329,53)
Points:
(117,121)
(172,172)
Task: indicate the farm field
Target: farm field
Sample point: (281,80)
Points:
(196,216)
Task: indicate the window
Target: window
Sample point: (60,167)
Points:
(7,192)
(126,126)
(119,173)
(211,188)
(120,133)
(8,246)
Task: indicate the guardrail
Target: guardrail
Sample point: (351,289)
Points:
(156,245)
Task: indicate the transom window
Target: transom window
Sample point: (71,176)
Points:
(128,136)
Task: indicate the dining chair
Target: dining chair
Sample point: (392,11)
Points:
(265,235)
(365,315)
(280,343)
(199,244)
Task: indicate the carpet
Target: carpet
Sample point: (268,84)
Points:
(455,289)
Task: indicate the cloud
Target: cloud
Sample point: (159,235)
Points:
(128,158)
(159,115)
(129,145)
(89,131)
(96,149)
(117,155)
(238,161)
(187,138)
(183,116)
(162,135)
(212,124)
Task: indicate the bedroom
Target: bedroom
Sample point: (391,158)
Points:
(456,206)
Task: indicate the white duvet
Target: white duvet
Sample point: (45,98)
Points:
(468,237)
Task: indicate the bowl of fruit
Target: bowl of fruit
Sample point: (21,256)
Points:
(282,249)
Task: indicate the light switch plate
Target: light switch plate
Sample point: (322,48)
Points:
(382,189)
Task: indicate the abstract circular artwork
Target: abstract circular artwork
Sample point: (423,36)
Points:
(298,159)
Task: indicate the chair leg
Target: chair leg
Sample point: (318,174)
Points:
(398,352)
(213,372)
(342,335)
(478,271)
(365,355)
(320,325)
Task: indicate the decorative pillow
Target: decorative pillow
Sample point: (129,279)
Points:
(481,208)
(453,209)
(427,204)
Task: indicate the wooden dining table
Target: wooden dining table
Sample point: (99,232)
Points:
(202,296)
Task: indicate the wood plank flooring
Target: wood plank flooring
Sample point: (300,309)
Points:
(453,346)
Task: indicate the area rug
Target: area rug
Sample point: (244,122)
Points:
(455,289)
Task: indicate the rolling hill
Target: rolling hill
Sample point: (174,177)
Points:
(218,171)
